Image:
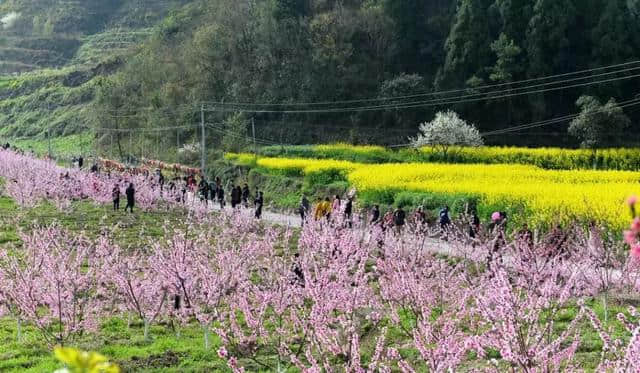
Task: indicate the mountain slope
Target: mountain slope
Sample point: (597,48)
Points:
(53,51)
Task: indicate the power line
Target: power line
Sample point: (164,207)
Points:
(440,93)
(547,122)
(165,109)
(622,104)
(232,134)
(159,129)
(416,104)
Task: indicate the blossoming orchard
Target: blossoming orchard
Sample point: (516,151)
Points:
(333,296)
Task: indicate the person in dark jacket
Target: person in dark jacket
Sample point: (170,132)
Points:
(348,212)
(445,220)
(115,195)
(160,179)
(399,217)
(131,198)
(236,196)
(245,195)
(303,209)
(259,202)
(80,162)
(203,188)
(375,214)
(220,195)
(474,229)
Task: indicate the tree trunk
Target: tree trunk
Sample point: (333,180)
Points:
(206,336)
(19,326)
(146,330)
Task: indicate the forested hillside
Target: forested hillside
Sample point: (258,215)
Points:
(301,51)
(51,51)
(287,52)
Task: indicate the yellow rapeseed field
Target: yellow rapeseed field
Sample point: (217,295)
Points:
(545,196)
(293,165)
(361,149)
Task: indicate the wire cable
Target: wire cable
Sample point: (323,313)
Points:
(416,104)
(623,104)
(440,93)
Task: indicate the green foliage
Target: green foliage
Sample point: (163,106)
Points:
(598,125)
(63,147)
(182,52)
(466,46)
(235,135)
(507,52)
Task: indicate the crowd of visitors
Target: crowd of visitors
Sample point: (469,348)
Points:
(335,210)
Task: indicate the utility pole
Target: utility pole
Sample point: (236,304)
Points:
(253,130)
(202,145)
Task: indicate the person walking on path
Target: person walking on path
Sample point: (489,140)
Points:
(419,218)
(160,179)
(325,208)
(245,195)
(203,190)
(399,217)
(317,209)
(375,214)
(497,228)
(220,194)
(259,202)
(115,195)
(131,198)
(445,219)
(335,207)
(474,228)
(303,209)
(236,196)
(348,212)
(387,220)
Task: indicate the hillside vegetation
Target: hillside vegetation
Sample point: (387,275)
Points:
(52,51)
(281,53)
(162,59)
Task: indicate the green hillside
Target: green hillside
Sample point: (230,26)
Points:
(356,60)
(53,52)
(156,61)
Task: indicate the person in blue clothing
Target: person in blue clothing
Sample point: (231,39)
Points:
(445,220)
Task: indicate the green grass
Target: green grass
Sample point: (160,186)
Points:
(43,100)
(61,147)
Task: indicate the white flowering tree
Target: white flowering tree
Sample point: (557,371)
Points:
(447,129)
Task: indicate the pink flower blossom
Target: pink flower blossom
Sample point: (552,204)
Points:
(630,237)
(222,352)
(496,216)
(635,225)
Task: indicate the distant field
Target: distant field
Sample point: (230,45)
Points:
(61,147)
(549,158)
(528,193)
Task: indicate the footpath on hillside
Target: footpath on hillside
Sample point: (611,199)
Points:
(435,246)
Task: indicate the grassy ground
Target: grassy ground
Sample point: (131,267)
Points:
(61,147)
(124,345)
(167,352)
